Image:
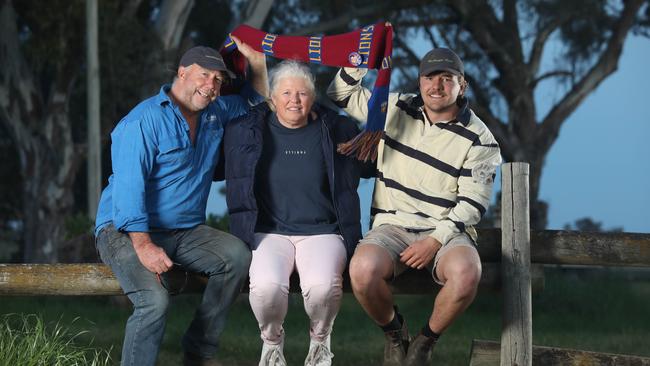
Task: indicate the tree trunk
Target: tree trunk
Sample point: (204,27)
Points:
(42,132)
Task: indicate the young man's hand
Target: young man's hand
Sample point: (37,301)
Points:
(420,252)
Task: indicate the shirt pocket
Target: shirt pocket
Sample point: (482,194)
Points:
(173,150)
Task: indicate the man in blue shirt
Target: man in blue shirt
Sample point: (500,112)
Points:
(151,216)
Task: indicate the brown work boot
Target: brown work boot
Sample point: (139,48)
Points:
(397,343)
(419,352)
(190,359)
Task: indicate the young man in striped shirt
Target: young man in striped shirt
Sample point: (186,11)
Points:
(435,170)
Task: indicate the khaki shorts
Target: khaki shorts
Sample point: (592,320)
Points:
(396,239)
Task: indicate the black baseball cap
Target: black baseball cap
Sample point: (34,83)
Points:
(205,57)
(441,59)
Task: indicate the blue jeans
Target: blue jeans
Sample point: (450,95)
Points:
(202,249)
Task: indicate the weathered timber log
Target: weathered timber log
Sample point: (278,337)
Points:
(517,312)
(574,248)
(486,353)
(97,279)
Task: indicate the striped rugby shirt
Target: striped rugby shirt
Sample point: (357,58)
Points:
(429,175)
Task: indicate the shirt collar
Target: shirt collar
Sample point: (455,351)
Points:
(464,113)
(462,117)
(163,95)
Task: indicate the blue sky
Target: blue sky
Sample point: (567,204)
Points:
(599,166)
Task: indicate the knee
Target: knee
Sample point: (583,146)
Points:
(268,293)
(238,258)
(364,270)
(320,295)
(242,260)
(464,279)
(152,303)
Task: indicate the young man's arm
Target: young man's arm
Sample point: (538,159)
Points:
(474,188)
(346,91)
(474,191)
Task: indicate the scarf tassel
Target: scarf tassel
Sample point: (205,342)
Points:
(363,146)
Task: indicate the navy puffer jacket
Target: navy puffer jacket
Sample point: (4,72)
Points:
(242,149)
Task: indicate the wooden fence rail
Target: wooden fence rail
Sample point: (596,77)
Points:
(507,256)
(547,247)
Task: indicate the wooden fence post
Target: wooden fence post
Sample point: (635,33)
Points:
(517,324)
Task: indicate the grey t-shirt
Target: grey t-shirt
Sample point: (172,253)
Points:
(291,185)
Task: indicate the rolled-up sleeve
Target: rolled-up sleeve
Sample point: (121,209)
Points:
(133,154)
(474,189)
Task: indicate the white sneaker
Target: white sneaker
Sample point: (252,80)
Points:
(319,353)
(272,355)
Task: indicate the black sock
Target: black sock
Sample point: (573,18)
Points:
(395,324)
(427,332)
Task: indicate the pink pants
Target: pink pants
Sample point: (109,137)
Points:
(319,260)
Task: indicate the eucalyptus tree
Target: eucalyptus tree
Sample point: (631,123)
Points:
(512,49)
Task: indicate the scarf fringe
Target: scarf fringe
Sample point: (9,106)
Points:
(363,146)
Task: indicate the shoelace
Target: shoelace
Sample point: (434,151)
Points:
(317,354)
(275,357)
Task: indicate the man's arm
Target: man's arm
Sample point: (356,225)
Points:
(474,189)
(257,61)
(132,158)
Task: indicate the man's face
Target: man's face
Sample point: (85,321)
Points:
(199,86)
(440,91)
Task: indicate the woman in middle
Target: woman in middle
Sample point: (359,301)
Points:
(293,199)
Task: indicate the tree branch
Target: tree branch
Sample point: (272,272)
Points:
(605,66)
(17,96)
(343,20)
(540,41)
(482,108)
(380,10)
(549,74)
(256,12)
(130,8)
(171,22)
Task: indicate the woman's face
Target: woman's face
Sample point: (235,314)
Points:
(293,100)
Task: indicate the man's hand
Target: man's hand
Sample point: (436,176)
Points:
(254,57)
(420,252)
(150,255)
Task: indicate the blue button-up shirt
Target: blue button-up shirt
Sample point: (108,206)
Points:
(161,180)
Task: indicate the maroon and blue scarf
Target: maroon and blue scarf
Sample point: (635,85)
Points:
(368,47)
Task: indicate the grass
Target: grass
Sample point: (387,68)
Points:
(604,313)
(26,340)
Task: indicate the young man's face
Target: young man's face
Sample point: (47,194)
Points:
(200,86)
(439,93)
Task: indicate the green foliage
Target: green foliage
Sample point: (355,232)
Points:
(563,316)
(78,224)
(8,245)
(218,222)
(26,340)
(587,32)
(52,34)
(590,225)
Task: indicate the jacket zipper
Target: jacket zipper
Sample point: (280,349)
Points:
(333,188)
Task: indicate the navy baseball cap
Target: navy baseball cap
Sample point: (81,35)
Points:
(441,59)
(205,57)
